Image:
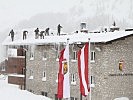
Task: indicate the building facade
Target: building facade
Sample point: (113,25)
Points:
(14,66)
(3,67)
(111,60)
(111,65)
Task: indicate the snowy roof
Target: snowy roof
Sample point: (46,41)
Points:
(74,37)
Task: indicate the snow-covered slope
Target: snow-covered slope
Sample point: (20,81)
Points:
(12,92)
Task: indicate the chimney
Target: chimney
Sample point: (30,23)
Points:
(83,27)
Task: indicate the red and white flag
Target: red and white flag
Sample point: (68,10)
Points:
(63,75)
(83,69)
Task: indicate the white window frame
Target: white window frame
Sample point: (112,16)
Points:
(74,59)
(44,76)
(73,79)
(92,57)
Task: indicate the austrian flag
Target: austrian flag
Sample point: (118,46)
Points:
(83,69)
(63,75)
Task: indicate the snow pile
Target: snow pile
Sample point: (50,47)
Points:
(12,92)
(2,77)
(121,98)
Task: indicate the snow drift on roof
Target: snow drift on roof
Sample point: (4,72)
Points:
(74,37)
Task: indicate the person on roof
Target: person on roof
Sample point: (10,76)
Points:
(59,29)
(42,34)
(47,32)
(24,34)
(12,34)
(36,33)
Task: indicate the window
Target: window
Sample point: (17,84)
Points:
(44,76)
(92,81)
(31,91)
(31,74)
(92,56)
(74,58)
(75,55)
(57,78)
(32,52)
(3,68)
(31,55)
(44,93)
(73,79)
(121,65)
(57,56)
(73,98)
(44,55)
(56,97)
(58,47)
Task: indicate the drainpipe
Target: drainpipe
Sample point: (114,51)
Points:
(25,69)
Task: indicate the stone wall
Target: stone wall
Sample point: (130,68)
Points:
(109,81)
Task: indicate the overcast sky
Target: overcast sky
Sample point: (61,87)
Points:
(22,13)
(13,11)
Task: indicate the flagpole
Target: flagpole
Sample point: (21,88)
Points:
(89,69)
(68,62)
(80,96)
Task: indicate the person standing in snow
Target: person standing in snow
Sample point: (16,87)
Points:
(59,29)
(24,34)
(47,31)
(12,34)
(36,33)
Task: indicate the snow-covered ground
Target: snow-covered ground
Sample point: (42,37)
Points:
(12,92)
